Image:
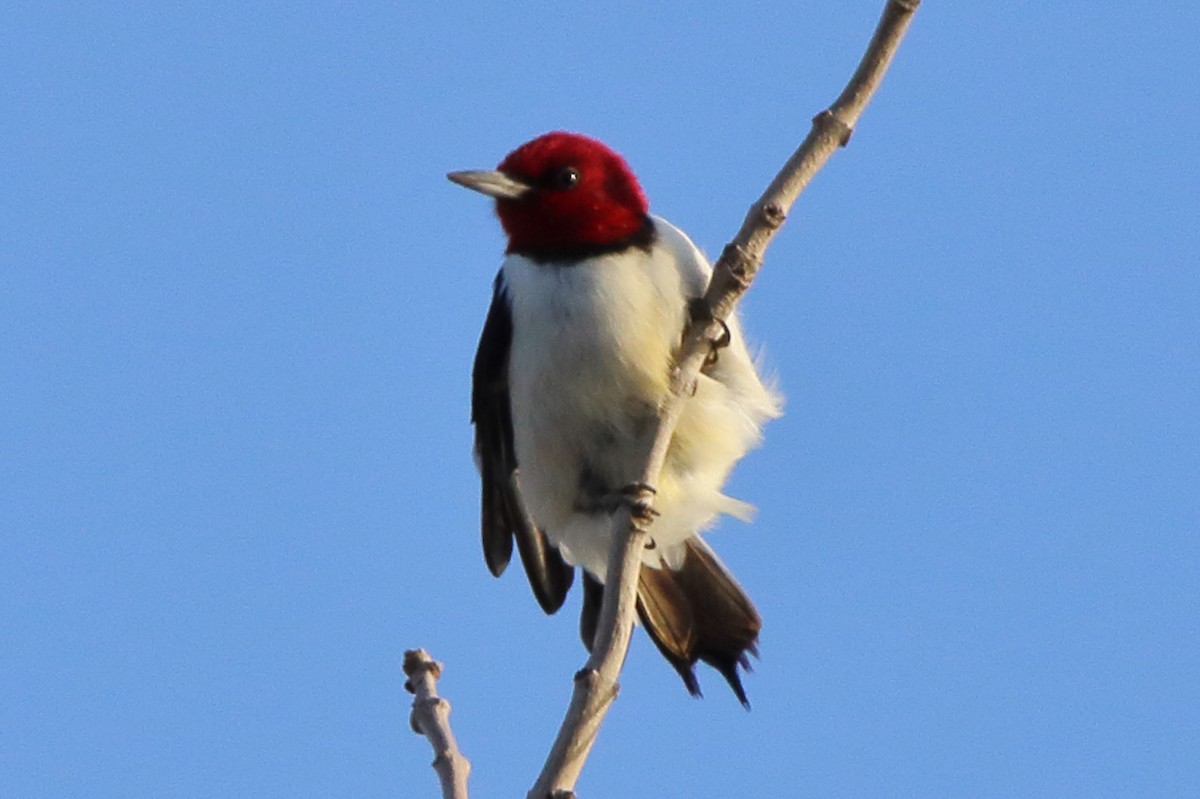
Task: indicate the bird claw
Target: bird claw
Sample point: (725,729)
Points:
(724,339)
(635,494)
(699,311)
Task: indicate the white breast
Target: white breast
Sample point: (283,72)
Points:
(591,350)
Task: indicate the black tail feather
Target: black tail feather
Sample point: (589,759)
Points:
(699,612)
(666,614)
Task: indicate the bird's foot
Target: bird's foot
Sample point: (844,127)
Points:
(700,311)
(639,497)
(636,496)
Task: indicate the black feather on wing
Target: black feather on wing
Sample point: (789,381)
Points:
(503,515)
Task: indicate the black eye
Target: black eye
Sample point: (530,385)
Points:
(564,178)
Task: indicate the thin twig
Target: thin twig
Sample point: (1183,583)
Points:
(431,718)
(596,684)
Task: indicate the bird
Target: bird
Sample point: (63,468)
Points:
(574,359)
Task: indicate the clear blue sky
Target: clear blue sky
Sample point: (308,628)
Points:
(238,303)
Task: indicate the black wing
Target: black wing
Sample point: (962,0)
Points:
(503,514)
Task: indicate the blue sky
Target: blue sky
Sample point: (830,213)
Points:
(238,303)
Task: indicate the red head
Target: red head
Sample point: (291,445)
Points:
(564,195)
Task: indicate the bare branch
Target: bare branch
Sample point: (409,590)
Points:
(431,718)
(596,684)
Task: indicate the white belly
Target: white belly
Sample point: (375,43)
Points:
(591,352)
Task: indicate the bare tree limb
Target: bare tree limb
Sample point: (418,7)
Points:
(596,684)
(431,718)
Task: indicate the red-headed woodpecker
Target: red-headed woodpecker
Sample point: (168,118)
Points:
(587,311)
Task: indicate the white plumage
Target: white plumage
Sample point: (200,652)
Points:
(591,352)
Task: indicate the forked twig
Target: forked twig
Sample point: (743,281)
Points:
(431,718)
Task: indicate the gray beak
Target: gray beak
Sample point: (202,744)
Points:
(490,182)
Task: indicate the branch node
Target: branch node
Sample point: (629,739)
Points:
(736,257)
(828,119)
(774,215)
(435,704)
(416,662)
